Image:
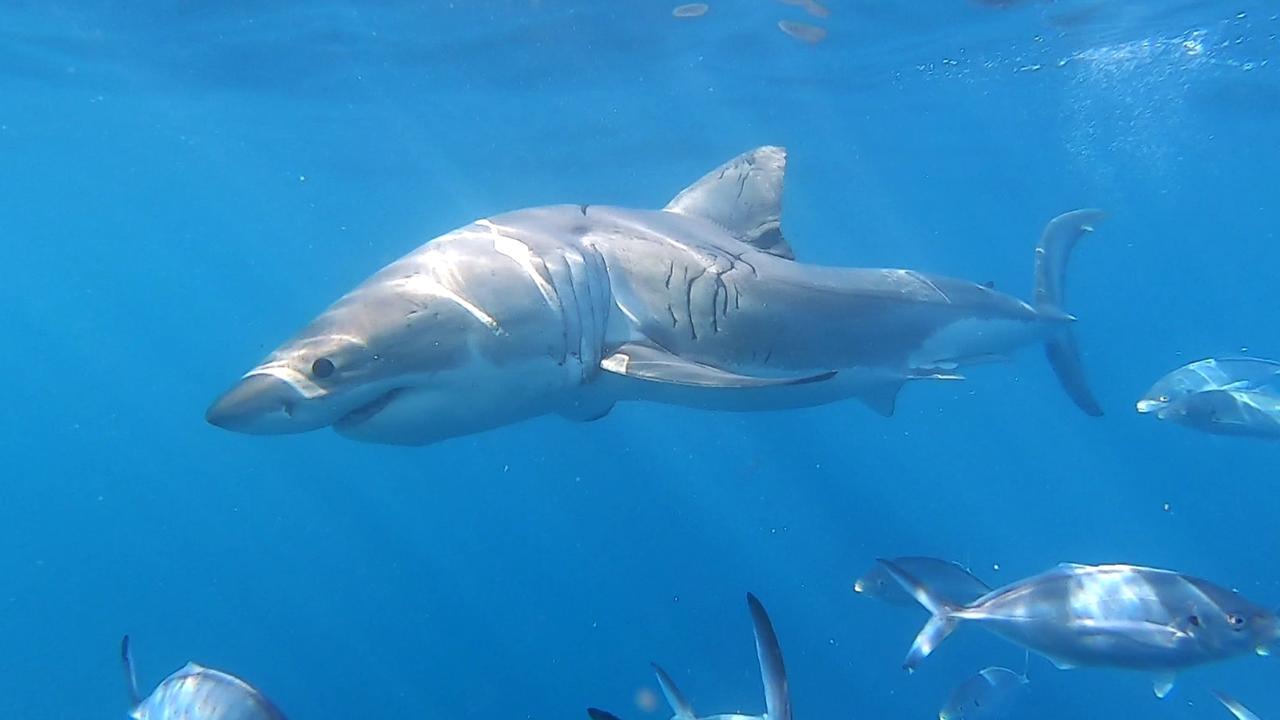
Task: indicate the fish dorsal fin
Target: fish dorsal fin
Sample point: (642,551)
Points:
(744,196)
(773,673)
(1163,685)
(642,361)
(679,705)
(130,672)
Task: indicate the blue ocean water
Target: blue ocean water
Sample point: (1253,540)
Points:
(186,184)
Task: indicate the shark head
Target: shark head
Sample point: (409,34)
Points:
(454,338)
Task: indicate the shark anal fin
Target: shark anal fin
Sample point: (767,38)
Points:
(648,362)
(743,196)
(1163,685)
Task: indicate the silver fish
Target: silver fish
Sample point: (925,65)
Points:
(947,579)
(1122,616)
(1222,396)
(195,692)
(570,309)
(1240,711)
(991,694)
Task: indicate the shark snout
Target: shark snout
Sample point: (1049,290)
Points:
(260,404)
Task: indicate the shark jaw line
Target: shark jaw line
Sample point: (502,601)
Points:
(369,410)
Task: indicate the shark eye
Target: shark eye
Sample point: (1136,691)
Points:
(1163,398)
(1194,620)
(322,368)
(1237,621)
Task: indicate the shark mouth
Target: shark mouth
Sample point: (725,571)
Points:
(367,411)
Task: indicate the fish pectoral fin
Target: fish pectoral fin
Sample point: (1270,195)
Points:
(743,196)
(648,362)
(1163,685)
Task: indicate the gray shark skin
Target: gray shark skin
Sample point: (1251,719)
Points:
(195,691)
(570,309)
(1119,616)
(1220,396)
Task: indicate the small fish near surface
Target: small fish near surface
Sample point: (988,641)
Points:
(569,309)
(195,692)
(949,580)
(1233,705)
(1117,616)
(994,693)
(772,673)
(1221,396)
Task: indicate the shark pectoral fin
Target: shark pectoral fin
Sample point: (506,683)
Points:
(648,362)
(1163,685)
(744,196)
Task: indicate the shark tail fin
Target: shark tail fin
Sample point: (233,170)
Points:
(941,623)
(1052,256)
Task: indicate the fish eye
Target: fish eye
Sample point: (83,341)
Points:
(1237,621)
(322,368)
(1163,398)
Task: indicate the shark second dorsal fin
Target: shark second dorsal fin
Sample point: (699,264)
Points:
(744,196)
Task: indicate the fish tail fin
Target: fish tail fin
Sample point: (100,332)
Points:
(941,623)
(773,673)
(1052,256)
(130,672)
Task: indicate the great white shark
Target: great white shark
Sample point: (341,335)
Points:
(570,309)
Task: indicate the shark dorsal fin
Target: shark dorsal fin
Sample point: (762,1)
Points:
(744,196)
